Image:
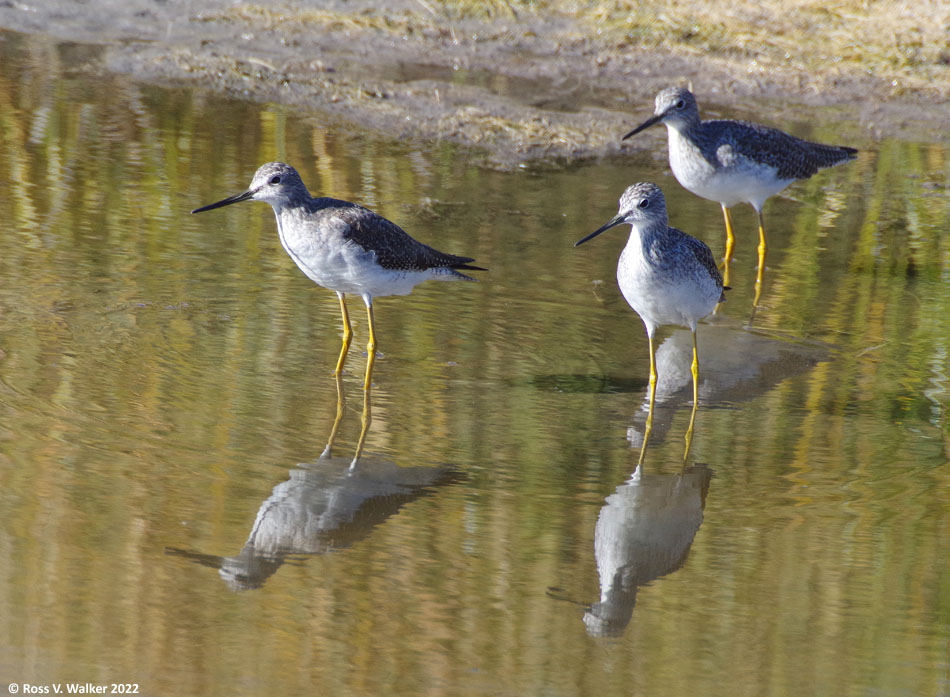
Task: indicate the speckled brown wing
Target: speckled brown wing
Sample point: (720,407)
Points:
(704,256)
(793,158)
(395,249)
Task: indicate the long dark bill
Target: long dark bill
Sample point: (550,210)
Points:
(646,124)
(613,223)
(226,202)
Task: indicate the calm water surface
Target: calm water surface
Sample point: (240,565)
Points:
(165,394)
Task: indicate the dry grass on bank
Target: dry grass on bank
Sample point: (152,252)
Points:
(904,43)
(907,43)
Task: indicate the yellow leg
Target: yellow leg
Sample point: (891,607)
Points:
(730,246)
(649,425)
(730,237)
(340,402)
(347,336)
(370,348)
(761,270)
(694,369)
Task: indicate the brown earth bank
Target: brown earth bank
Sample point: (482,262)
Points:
(528,81)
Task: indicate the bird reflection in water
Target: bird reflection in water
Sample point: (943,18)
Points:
(366,419)
(643,533)
(741,365)
(646,527)
(323,506)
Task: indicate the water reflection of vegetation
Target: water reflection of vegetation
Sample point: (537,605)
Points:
(149,362)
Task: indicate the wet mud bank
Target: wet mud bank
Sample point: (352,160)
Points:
(522,85)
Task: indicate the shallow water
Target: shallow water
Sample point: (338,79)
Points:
(165,394)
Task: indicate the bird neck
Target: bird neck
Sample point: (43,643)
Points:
(683,128)
(636,243)
(646,238)
(288,205)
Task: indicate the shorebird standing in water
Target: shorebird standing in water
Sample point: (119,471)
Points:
(349,249)
(667,277)
(735,161)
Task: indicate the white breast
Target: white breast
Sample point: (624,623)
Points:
(658,299)
(736,179)
(331,261)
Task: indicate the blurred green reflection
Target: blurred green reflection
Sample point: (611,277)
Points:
(160,374)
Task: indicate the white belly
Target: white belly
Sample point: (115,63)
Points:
(346,267)
(735,180)
(660,300)
(730,187)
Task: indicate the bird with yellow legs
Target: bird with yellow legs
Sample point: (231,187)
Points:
(666,276)
(347,248)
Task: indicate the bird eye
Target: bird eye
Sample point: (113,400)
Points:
(680,104)
(275,179)
(644,203)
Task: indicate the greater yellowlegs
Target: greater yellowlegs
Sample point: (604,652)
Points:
(346,247)
(667,277)
(735,161)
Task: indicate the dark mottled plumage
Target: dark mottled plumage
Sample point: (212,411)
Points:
(670,248)
(792,158)
(395,249)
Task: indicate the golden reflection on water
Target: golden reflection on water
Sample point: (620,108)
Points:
(160,375)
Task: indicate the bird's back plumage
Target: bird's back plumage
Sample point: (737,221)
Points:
(704,256)
(792,157)
(395,249)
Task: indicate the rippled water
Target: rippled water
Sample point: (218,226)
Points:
(165,392)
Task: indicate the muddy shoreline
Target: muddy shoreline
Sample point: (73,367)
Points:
(519,86)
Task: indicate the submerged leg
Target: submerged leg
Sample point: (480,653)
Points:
(371,346)
(649,425)
(365,420)
(340,402)
(761,270)
(367,417)
(694,369)
(347,336)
